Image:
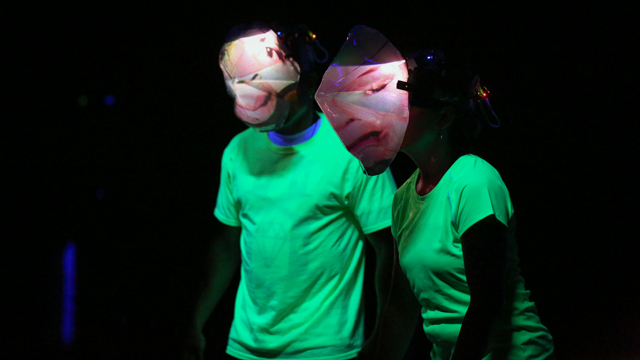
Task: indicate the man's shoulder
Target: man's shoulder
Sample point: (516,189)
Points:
(244,138)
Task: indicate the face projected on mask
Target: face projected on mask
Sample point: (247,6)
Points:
(258,74)
(368,112)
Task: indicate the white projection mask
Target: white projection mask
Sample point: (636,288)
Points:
(259,74)
(358,95)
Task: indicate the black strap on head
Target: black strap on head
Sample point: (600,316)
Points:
(302,44)
(434,82)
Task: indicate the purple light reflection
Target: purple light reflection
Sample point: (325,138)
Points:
(68,293)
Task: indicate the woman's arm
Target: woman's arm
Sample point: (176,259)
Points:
(223,261)
(399,317)
(484,251)
(398,309)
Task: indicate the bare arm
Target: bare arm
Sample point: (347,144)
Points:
(382,243)
(223,260)
(397,310)
(484,252)
(400,317)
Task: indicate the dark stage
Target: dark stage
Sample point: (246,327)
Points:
(118,115)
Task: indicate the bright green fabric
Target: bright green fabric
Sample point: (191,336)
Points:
(304,211)
(428,229)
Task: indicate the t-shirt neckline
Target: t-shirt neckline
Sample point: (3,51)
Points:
(425,197)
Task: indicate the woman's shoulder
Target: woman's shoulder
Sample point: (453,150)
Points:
(472,169)
(409,184)
(473,164)
(405,190)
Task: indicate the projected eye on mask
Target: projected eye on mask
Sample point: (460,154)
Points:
(358,95)
(258,75)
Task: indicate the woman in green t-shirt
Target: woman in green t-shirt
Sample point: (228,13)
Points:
(454,224)
(453,220)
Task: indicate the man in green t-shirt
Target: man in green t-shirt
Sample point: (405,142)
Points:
(294,209)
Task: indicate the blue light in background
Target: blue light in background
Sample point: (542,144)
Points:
(68,293)
(100,194)
(109,100)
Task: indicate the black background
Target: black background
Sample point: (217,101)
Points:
(134,184)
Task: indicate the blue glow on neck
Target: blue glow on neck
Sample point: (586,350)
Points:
(295,139)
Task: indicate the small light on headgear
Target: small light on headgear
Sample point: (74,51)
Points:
(482,91)
(485,106)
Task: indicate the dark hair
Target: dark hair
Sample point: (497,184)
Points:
(435,83)
(303,45)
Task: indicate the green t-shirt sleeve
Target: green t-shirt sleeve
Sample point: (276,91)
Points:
(226,209)
(370,200)
(481,193)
